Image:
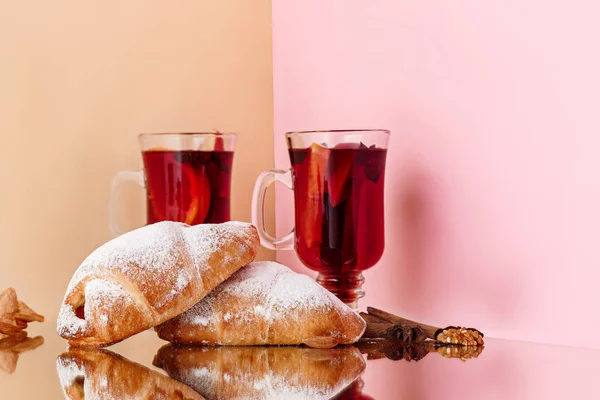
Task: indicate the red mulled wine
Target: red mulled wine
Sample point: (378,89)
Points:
(190,186)
(338,196)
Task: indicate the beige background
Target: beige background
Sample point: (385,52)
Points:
(79,81)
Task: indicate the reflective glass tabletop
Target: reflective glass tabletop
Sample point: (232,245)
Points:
(145,367)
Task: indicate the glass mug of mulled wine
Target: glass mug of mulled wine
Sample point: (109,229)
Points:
(187,177)
(337,178)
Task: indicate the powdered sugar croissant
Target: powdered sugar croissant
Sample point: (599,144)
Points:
(146,276)
(265,303)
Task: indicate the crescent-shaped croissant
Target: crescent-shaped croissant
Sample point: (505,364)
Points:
(266,303)
(149,275)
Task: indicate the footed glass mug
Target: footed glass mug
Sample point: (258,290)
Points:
(187,177)
(338,179)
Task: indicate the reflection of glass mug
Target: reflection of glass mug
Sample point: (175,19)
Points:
(337,178)
(187,177)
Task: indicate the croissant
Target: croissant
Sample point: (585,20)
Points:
(255,372)
(266,303)
(144,277)
(100,374)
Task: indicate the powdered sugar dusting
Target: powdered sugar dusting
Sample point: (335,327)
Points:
(210,239)
(202,314)
(68,323)
(102,294)
(68,371)
(280,291)
(283,289)
(151,246)
(182,282)
(199,372)
(104,290)
(294,290)
(200,378)
(238,223)
(103,384)
(203,321)
(157,248)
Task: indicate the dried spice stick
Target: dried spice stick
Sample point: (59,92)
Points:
(380,328)
(372,319)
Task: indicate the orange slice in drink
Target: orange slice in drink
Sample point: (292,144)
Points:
(157,148)
(317,177)
(177,191)
(198,204)
(317,174)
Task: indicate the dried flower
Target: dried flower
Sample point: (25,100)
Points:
(15,315)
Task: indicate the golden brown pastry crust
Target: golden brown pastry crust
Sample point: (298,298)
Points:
(145,277)
(254,372)
(265,303)
(100,374)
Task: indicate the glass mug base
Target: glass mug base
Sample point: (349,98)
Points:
(346,287)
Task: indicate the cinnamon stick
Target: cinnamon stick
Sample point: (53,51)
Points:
(381,328)
(429,330)
(370,318)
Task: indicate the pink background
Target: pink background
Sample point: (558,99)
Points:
(492,187)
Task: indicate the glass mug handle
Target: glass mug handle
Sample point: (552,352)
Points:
(115,190)
(258,209)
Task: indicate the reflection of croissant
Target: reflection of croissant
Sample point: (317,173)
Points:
(262,372)
(265,303)
(100,374)
(145,277)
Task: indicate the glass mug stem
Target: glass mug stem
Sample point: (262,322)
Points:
(115,194)
(346,286)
